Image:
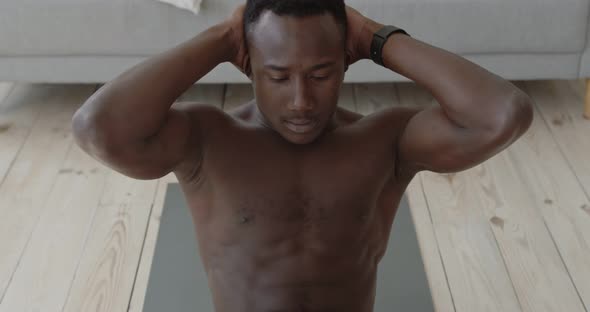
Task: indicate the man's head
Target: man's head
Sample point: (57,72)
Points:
(297,63)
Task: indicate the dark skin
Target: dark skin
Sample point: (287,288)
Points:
(296,217)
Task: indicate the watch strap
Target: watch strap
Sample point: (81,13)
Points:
(379,39)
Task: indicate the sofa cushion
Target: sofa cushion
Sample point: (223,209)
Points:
(145,27)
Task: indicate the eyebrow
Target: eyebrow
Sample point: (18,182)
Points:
(315,67)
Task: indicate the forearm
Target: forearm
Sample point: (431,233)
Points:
(471,96)
(135,104)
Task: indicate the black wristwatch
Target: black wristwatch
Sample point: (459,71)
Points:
(379,39)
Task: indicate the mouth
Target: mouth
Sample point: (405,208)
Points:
(300,125)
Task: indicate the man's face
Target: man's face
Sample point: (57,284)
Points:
(298,66)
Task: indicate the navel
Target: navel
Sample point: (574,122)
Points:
(245,216)
(246,219)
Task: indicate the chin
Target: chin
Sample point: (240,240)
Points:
(301,138)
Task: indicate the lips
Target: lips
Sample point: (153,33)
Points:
(299,121)
(300,125)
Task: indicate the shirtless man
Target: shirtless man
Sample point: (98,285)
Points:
(292,197)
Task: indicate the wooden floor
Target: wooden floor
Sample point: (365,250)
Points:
(512,234)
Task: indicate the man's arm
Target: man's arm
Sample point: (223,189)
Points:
(479,115)
(129,124)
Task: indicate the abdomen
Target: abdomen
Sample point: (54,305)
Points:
(305,264)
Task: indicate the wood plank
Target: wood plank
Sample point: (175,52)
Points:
(475,268)
(372,97)
(105,275)
(18,113)
(522,263)
(559,102)
(429,250)
(31,177)
(536,269)
(236,95)
(43,285)
(141,279)
(552,179)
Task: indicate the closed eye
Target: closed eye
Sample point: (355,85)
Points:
(278,79)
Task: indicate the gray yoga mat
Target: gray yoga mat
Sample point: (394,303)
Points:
(178,283)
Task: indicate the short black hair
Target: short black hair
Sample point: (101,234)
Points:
(297,8)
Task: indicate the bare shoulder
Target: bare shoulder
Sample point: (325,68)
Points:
(391,120)
(206,120)
(206,116)
(346,117)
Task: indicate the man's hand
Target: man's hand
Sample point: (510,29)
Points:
(240,58)
(358,43)
(360,35)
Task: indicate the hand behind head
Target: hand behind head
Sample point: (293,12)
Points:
(241,58)
(360,35)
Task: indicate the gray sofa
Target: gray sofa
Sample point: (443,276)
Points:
(95,40)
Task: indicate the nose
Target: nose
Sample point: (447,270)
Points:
(302,100)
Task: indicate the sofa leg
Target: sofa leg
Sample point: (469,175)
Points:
(587,100)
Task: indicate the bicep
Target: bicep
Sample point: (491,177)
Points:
(154,156)
(431,141)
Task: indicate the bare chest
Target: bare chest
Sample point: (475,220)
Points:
(337,191)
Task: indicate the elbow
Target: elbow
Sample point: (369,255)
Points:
(520,116)
(82,126)
(92,134)
(526,113)
(515,122)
